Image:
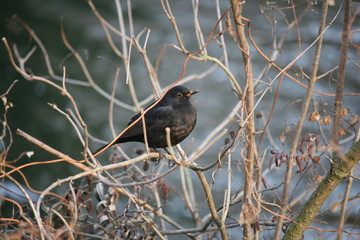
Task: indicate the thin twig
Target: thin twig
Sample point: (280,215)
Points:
(342,217)
(211,204)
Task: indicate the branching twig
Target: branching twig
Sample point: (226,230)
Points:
(300,123)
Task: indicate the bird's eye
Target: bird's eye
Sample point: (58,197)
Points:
(179,94)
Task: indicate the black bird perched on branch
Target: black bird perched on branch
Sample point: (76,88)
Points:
(173,111)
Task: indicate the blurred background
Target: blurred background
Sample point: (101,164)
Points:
(32,114)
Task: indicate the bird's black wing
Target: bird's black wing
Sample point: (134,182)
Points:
(154,120)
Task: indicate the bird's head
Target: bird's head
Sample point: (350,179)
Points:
(178,95)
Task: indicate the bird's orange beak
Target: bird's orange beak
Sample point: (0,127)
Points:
(192,93)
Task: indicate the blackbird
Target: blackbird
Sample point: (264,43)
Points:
(174,111)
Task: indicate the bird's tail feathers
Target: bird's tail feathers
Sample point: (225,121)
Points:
(98,150)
